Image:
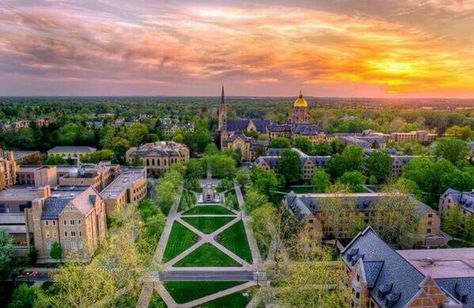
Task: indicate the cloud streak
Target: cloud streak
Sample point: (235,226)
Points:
(189,49)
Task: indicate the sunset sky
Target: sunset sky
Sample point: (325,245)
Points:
(384,48)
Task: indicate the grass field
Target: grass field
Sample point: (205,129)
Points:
(234,300)
(156,301)
(207,255)
(235,239)
(208,209)
(181,238)
(207,224)
(186,291)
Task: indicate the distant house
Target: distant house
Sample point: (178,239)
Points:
(463,200)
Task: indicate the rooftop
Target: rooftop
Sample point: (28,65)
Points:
(122,182)
(75,149)
(20,193)
(442,263)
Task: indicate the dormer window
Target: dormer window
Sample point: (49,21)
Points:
(383,290)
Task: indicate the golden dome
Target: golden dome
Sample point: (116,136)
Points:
(300,101)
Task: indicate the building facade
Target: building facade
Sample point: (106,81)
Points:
(158,157)
(7,169)
(71,152)
(307,209)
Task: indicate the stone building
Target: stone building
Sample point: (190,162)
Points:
(98,176)
(309,164)
(7,169)
(249,148)
(159,156)
(300,110)
(381,277)
(463,200)
(130,186)
(307,209)
(74,218)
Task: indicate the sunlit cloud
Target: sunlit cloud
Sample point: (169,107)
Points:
(192,49)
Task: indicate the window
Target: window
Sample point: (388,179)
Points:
(46,222)
(54,222)
(79,222)
(65,233)
(80,233)
(429,223)
(73,233)
(65,222)
(428,230)
(72,222)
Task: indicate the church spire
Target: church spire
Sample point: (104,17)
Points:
(222,96)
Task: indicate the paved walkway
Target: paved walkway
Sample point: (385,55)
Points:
(245,267)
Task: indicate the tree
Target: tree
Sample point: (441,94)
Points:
(379,165)
(395,216)
(25,296)
(354,180)
(464,132)
(353,155)
(137,133)
(97,156)
(243,176)
(192,168)
(453,220)
(6,250)
(254,199)
(280,142)
(320,181)
(469,227)
(321,149)
(289,166)
(452,149)
(56,251)
(221,165)
(54,160)
(304,144)
(265,181)
(336,166)
(337,209)
(337,146)
(33,159)
(120,145)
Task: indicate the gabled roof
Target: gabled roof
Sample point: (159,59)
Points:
(461,288)
(83,201)
(237,124)
(261,125)
(464,199)
(396,276)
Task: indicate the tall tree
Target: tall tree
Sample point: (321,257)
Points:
(6,250)
(289,166)
(304,144)
(379,165)
(353,155)
(354,180)
(336,166)
(280,142)
(452,149)
(320,181)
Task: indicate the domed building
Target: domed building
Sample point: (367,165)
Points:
(300,110)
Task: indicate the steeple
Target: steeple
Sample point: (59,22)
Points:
(222,113)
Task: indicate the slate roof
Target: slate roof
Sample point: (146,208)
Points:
(396,275)
(461,288)
(77,149)
(361,200)
(307,129)
(84,201)
(464,199)
(275,151)
(261,125)
(237,125)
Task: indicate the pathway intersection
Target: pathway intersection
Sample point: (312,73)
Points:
(248,271)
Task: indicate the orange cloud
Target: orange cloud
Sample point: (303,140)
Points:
(192,45)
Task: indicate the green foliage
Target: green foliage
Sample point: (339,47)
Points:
(453,220)
(353,155)
(336,166)
(322,149)
(264,181)
(452,149)
(6,251)
(280,142)
(137,134)
(97,156)
(224,185)
(56,251)
(254,199)
(354,180)
(167,189)
(378,164)
(243,176)
(464,132)
(304,144)
(289,166)
(54,160)
(221,165)
(25,296)
(320,180)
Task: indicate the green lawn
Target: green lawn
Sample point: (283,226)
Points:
(207,224)
(235,239)
(207,255)
(208,209)
(156,301)
(234,300)
(186,291)
(181,238)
